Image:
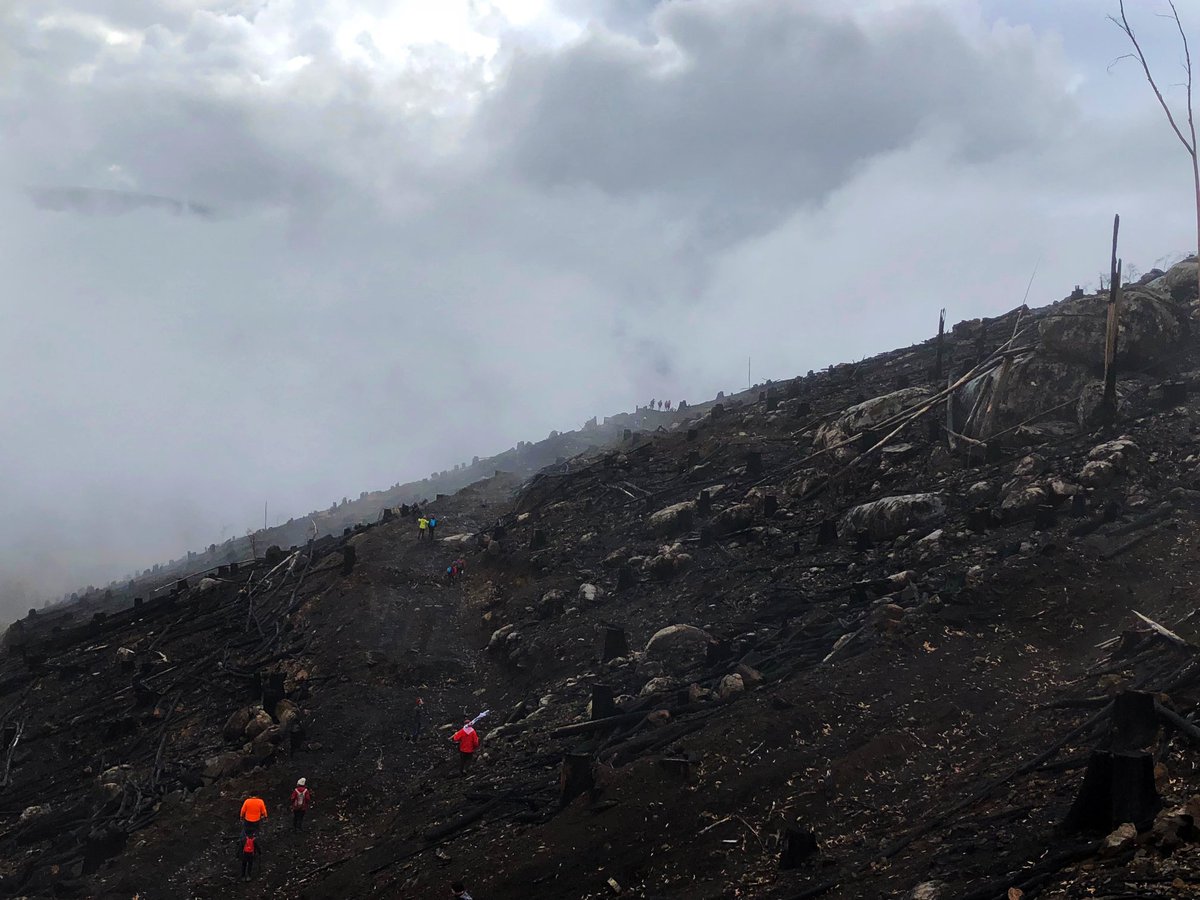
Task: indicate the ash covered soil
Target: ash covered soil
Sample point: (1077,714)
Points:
(854,635)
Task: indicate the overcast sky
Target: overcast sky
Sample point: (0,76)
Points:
(290,250)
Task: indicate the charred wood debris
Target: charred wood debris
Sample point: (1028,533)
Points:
(714,602)
(101,718)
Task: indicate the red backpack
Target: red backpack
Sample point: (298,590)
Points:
(248,847)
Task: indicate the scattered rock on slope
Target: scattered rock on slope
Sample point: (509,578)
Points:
(866,416)
(1151,329)
(892,516)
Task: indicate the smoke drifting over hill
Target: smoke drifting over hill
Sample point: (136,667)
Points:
(436,233)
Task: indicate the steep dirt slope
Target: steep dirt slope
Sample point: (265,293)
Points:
(847,636)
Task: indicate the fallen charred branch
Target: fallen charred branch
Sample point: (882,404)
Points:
(8,756)
(1178,722)
(994,785)
(820,888)
(1028,878)
(440,832)
(1163,631)
(595,725)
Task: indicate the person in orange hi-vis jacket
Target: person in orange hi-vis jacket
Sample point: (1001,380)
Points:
(467,739)
(254,810)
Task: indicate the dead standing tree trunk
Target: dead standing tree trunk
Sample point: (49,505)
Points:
(1110,336)
(1189,140)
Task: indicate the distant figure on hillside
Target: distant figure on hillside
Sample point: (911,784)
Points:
(467,739)
(652,403)
(458,891)
(301,800)
(668,406)
(251,847)
(454,570)
(416,723)
(422,528)
(432,527)
(254,810)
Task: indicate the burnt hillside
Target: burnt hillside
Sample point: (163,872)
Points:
(887,630)
(522,461)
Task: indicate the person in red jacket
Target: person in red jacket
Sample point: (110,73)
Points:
(251,848)
(301,799)
(468,742)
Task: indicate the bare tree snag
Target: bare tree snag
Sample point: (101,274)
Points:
(798,845)
(575,777)
(615,644)
(1189,140)
(1110,335)
(604,706)
(941,341)
(754,463)
(626,578)
(1117,787)
(827,532)
(1134,721)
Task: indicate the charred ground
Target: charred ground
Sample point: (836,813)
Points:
(905,617)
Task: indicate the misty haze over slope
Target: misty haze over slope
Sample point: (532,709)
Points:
(431,234)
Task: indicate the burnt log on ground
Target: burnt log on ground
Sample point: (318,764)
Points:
(987,790)
(629,749)
(517,793)
(1184,726)
(1032,876)
(582,728)
(462,821)
(819,889)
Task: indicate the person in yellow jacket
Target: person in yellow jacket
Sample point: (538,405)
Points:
(422,528)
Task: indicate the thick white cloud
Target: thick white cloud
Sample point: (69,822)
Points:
(744,111)
(431,230)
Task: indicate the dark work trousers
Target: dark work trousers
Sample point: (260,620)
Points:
(297,819)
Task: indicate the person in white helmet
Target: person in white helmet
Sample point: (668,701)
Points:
(301,800)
